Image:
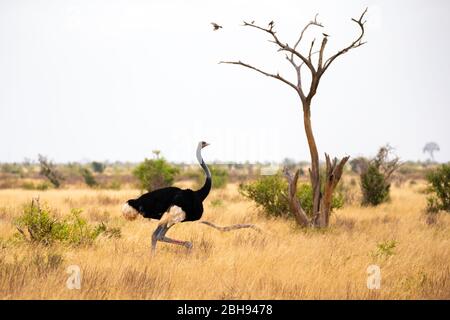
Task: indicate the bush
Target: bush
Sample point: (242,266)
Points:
(13,168)
(42,186)
(216,203)
(28,186)
(41,227)
(115,184)
(375,189)
(439,180)
(88,177)
(219,177)
(98,167)
(269,193)
(155,174)
(385,249)
(38,225)
(31,186)
(376,176)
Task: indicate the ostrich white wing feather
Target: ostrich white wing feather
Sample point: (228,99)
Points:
(174,215)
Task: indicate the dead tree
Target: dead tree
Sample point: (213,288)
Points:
(317,64)
(49,171)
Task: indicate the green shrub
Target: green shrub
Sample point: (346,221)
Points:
(193,174)
(376,176)
(76,230)
(13,168)
(216,203)
(439,180)
(305,196)
(28,186)
(31,186)
(98,167)
(88,177)
(375,189)
(38,225)
(385,249)
(115,184)
(42,186)
(219,177)
(269,193)
(102,228)
(154,174)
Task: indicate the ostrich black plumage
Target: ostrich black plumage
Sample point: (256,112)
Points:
(171,205)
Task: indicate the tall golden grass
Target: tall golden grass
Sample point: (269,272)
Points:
(283,262)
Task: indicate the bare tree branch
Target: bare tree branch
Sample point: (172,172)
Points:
(299,76)
(355,44)
(283,46)
(275,76)
(311,23)
(316,73)
(310,49)
(321,51)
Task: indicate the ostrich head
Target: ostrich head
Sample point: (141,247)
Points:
(129,211)
(202,144)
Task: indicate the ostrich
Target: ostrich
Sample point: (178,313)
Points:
(173,205)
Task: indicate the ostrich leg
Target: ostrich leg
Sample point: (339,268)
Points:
(160,235)
(170,218)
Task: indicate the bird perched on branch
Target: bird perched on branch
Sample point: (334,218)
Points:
(271,23)
(216,26)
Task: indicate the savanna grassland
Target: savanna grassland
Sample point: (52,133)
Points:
(282,262)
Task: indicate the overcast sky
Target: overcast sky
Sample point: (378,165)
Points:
(115,79)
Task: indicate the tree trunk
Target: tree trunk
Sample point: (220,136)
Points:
(322,203)
(333,174)
(294,203)
(314,171)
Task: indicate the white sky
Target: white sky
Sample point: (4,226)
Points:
(115,79)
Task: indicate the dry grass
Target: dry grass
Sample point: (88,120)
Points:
(282,263)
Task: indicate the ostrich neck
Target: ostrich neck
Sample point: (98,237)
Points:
(204,191)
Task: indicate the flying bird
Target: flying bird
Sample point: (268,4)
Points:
(325,35)
(216,26)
